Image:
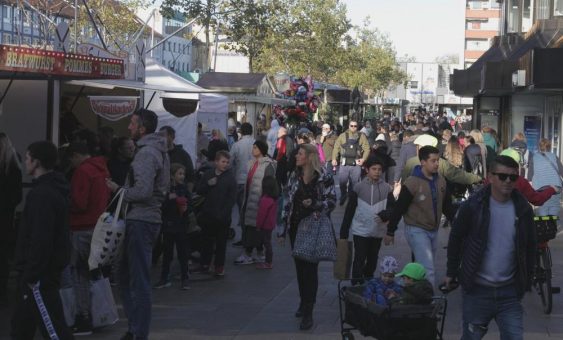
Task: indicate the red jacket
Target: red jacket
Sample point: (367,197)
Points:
(267,212)
(89,193)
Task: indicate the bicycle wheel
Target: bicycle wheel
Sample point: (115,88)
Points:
(544,280)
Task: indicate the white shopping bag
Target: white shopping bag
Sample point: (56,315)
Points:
(68,298)
(108,235)
(103,310)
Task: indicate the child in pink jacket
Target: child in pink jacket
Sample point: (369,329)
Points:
(266,218)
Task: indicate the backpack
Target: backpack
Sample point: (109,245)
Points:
(351,150)
(477,166)
(523,163)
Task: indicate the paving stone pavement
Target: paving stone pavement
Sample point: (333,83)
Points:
(259,304)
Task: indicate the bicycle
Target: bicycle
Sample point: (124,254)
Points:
(546,229)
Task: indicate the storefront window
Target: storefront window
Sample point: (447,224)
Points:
(558,8)
(513,13)
(542,9)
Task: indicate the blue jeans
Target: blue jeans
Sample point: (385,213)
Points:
(134,275)
(483,304)
(423,244)
(348,176)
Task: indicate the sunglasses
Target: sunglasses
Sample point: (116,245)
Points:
(503,177)
(353,125)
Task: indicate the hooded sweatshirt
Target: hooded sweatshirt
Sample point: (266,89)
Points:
(89,193)
(149,179)
(43,246)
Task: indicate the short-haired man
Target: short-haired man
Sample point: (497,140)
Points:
(241,155)
(218,185)
(353,149)
(43,248)
(145,191)
(177,154)
(422,200)
(491,252)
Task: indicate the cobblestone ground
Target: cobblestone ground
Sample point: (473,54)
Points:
(259,304)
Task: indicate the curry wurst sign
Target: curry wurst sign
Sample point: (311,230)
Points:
(21,59)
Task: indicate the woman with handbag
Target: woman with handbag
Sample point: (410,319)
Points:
(545,169)
(310,196)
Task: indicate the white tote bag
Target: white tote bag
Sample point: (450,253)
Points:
(108,235)
(103,309)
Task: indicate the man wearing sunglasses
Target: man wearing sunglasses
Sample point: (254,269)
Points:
(491,251)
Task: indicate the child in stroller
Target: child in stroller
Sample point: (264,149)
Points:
(382,289)
(417,290)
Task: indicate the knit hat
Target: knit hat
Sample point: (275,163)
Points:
(510,152)
(262,146)
(388,265)
(426,140)
(413,270)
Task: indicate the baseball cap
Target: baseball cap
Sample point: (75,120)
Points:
(426,140)
(413,270)
(388,265)
(510,152)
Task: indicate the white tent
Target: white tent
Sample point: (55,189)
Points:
(212,110)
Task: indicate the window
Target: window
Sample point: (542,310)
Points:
(476,25)
(7,17)
(542,9)
(27,19)
(414,84)
(476,44)
(169,46)
(174,47)
(513,14)
(6,38)
(527,17)
(558,8)
(475,4)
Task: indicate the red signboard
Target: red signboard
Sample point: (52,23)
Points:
(113,107)
(22,59)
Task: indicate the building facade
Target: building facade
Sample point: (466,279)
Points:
(482,24)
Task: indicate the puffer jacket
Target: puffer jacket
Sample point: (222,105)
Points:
(149,179)
(252,193)
(468,240)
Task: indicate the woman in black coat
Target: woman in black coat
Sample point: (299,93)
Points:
(10,197)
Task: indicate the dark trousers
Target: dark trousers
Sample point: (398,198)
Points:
(214,243)
(26,317)
(169,240)
(348,176)
(7,242)
(252,239)
(366,251)
(266,239)
(307,275)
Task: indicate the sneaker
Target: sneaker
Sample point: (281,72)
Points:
(259,258)
(244,259)
(220,271)
(82,326)
(185,285)
(162,284)
(128,336)
(238,244)
(264,265)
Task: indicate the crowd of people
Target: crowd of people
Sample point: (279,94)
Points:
(417,171)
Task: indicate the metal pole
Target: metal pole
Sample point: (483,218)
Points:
(75,26)
(152,31)
(172,34)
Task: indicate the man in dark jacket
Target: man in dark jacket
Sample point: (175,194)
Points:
(43,248)
(89,198)
(145,191)
(492,251)
(218,185)
(177,154)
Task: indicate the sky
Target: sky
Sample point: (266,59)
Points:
(425,29)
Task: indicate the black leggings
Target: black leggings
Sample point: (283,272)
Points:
(307,274)
(366,251)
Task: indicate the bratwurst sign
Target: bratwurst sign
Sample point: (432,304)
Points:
(21,59)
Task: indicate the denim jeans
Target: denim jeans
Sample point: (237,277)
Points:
(134,275)
(348,176)
(423,244)
(80,241)
(482,304)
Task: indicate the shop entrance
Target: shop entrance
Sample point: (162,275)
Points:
(553,122)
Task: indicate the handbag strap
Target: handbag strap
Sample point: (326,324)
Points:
(121,194)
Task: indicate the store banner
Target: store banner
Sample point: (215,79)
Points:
(532,131)
(30,60)
(113,108)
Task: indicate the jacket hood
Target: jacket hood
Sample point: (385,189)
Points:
(99,163)
(155,140)
(56,180)
(417,171)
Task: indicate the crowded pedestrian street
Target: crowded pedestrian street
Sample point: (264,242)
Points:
(251,304)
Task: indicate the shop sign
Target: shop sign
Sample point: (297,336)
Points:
(113,108)
(21,59)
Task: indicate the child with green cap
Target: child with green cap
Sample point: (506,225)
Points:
(417,290)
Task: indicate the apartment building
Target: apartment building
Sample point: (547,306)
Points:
(482,24)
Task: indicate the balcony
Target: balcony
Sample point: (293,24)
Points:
(480,34)
(482,13)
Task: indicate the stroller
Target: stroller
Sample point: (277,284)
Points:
(395,322)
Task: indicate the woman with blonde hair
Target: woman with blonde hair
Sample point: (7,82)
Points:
(218,142)
(545,169)
(453,153)
(310,190)
(10,197)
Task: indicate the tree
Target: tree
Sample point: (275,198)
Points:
(248,25)
(371,64)
(208,14)
(306,40)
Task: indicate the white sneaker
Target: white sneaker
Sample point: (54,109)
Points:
(244,259)
(260,259)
